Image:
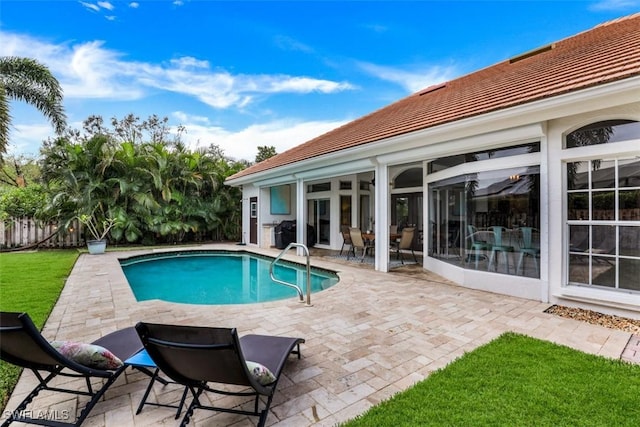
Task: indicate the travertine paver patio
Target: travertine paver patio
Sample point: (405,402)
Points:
(370,336)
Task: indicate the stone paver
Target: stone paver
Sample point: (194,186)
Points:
(368,337)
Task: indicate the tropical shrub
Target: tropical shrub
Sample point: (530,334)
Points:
(152,188)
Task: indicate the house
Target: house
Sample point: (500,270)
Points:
(522,178)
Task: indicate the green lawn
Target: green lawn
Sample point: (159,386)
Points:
(30,282)
(518,381)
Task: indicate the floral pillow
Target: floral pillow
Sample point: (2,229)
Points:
(260,373)
(89,355)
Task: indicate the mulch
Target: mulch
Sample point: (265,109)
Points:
(607,320)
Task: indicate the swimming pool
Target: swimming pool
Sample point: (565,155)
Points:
(217,277)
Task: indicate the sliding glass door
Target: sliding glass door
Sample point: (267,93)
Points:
(320,219)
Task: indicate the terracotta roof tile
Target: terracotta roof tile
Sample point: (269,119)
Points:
(606,53)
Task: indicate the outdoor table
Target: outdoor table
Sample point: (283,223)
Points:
(143,362)
(371,236)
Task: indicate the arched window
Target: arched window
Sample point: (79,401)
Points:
(409,178)
(603,133)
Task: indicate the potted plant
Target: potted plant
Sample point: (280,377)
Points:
(98,230)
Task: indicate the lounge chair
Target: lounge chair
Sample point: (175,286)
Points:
(193,356)
(22,344)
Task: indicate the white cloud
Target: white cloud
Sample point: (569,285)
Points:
(106,5)
(275,84)
(412,81)
(609,5)
(89,70)
(91,6)
(243,144)
(189,61)
(200,133)
(134,5)
(27,139)
(98,6)
(288,43)
(183,117)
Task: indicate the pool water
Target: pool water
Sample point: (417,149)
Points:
(214,277)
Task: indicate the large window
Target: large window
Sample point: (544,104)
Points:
(603,221)
(488,220)
(603,208)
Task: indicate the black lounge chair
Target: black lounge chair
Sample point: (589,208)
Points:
(22,344)
(194,356)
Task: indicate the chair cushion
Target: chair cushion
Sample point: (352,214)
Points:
(89,355)
(260,373)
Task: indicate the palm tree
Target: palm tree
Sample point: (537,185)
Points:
(27,80)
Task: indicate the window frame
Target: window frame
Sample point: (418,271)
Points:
(614,151)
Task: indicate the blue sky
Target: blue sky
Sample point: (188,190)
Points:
(242,74)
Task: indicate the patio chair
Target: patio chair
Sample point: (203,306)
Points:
(194,356)
(478,246)
(21,344)
(405,243)
(498,247)
(346,240)
(527,248)
(358,242)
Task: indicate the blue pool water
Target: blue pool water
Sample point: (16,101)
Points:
(217,277)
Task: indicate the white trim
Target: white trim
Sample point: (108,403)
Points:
(278,180)
(522,160)
(609,150)
(617,299)
(521,135)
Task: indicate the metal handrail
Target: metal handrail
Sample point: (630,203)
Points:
(293,285)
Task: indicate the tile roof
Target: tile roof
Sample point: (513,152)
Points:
(606,53)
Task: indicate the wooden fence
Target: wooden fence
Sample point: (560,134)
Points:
(26,232)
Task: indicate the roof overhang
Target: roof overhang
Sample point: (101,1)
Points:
(519,123)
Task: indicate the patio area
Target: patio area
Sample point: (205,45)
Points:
(368,337)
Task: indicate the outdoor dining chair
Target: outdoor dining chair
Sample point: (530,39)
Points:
(346,240)
(527,248)
(358,242)
(498,247)
(478,246)
(405,243)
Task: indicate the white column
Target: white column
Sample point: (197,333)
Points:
(381,213)
(301,218)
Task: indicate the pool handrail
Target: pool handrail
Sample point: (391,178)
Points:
(293,285)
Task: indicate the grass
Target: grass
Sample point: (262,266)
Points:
(31,282)
(517,381)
